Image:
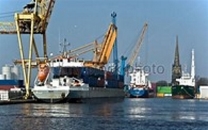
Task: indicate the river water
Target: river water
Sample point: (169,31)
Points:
(109,114)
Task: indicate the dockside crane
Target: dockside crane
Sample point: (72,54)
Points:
(32,20)
(125,67)
(102,53)
(115,46)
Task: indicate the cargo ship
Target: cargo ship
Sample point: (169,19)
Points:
(139,85)
(67,78)
(185,89)
(11,86)
(70,80)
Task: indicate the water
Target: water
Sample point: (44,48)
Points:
(123,114)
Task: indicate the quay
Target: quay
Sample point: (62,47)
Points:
(17,101)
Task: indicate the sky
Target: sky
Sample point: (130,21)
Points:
(83,21)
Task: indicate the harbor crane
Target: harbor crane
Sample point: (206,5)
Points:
(102,53)
(115,46)
(125,67)
(34,19)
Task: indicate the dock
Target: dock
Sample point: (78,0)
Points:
(17,101)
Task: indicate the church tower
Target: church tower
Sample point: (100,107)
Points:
(176,67)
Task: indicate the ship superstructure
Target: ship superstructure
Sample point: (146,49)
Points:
(186,78)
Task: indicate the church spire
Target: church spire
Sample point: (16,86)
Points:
(176,68)
(176,59)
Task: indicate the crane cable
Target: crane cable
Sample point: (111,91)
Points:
(132,44)
(8,14)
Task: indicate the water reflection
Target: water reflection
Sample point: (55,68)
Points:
(102,114)
(50,110)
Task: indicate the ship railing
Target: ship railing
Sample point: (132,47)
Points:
(80,82)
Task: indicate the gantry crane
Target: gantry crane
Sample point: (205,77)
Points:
(134,54)
(102,53)
(32,20)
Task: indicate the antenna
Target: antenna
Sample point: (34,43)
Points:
(192,65)
(138,61)
(64,45)
(59,39)
(185,68)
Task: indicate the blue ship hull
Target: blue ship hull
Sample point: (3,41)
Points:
(138,93)
(7,84)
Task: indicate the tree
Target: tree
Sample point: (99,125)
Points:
(162,83)
(203,81)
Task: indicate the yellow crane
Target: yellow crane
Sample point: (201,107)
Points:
(103,51)
(32,20)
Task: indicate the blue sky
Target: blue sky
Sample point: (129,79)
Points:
(82,21)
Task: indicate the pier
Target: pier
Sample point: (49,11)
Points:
(17,101)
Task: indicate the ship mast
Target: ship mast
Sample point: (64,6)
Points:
(192,67)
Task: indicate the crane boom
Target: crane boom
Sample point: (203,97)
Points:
(108,43)
(42,16)
(135,52)
(103,54)
(77,51)
(8,28)
(49,5)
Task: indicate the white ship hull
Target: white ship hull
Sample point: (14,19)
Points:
(54,95)
(51,94)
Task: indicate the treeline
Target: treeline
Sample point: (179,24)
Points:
(203,81)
